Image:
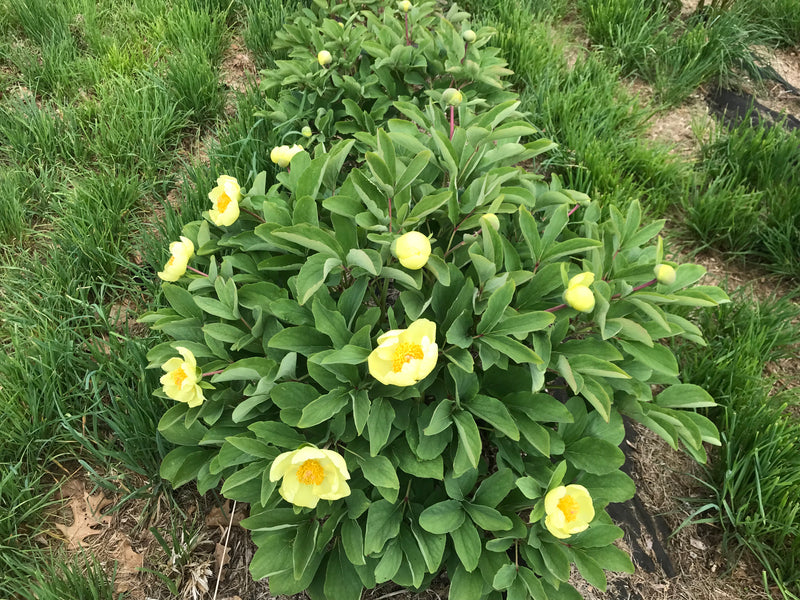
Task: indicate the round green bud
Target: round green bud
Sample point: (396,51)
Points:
(452,97)
(469,36)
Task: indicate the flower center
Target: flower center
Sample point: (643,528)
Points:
(569,507)
(171,261)
(404,353)
(311,472)
(180,376)
(223,201)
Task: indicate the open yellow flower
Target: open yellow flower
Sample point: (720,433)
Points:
(578,295)
(405,356)
(310,474)
(569,510)
(180,379)
(665,274)
(282,155)
(226,198)
(181,252)
(412,249)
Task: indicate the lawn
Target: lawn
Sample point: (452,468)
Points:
(116,118)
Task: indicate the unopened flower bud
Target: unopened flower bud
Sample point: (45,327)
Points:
(580,298)
(492,220)
(469,36)
(412,250)
(452,97)
(665,274)
(405,5)
(324,58)
(306,131)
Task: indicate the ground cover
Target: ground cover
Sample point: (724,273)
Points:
(70,246)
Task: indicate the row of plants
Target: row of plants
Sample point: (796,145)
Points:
(409,353)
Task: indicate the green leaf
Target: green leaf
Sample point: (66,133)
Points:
(312,238)
(380,170)
(487,517)
(595,456)
(685,395)
(427,205)
(313,274)
(324,408)
(589,365)
(412,171)
(383,523)
(341,578)
(431,546)
(495,413)
(521,324)
(469,436)
(442,517)
(247,369)
(504,577)
(556,559)
(369,260)
(304,546)
(465,585)
(513,349)
(611,558)
(441,418)
(461,358)
(610,487)
(353,541)
(172,426)
(181,300)
(379,424)
(380,472)
(467,543)
(215,307)
(245,484)
(570,247)
(278,434)
(182,464)
(303,340)
(389,563)
(496,306)
(659,358)
(331,323)
(347,355)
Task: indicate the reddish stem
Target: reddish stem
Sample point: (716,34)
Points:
(569,214)
(211,373)
(555,308)
(260,218)
(408,38)
(197,271)
(452,121)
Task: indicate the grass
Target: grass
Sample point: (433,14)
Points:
(674,55)
(751,485)
(101,98)
(753,203)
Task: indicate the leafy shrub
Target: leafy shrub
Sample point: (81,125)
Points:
(418,342)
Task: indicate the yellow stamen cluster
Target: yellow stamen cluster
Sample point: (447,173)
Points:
(405,353)
(311,473)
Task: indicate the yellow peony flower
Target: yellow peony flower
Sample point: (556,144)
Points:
(405,356)
(412,249)
(452,97)
(310,474)
(226,198)
(569,510)
(578,295)
(404,5)
(324,58)
(665,274)
(180,379)
(181,252)
(282,155)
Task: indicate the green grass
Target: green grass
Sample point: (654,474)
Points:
(675,56)
(751,485)
(752,174)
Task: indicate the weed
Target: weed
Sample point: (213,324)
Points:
(194,86)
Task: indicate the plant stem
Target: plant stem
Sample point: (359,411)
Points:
(408,37)
(211,373)
(555,308)
(452,121)
(569,214)
(197,271)
(259,217)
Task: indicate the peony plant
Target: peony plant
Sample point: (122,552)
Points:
(411,355)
